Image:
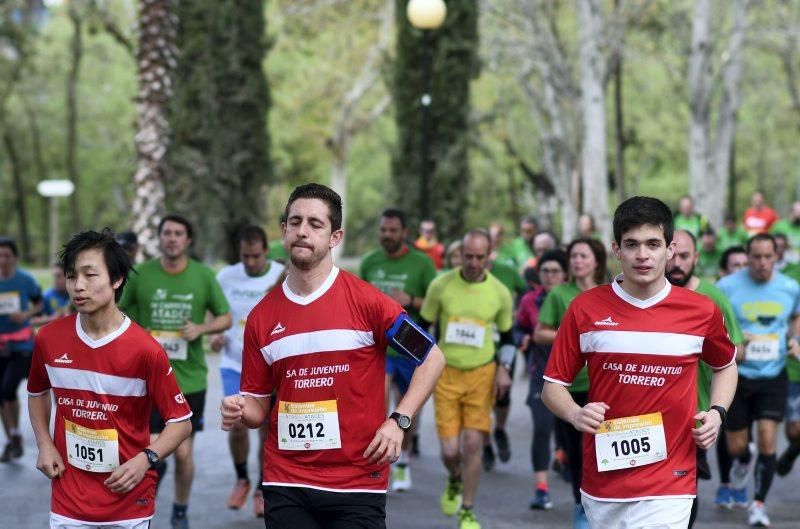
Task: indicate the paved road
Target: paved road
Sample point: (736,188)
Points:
(502,501)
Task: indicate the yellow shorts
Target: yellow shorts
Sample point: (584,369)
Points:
(464,399)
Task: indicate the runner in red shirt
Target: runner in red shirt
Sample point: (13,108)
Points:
(105,373)
(641,338)
(759,217)
(319,343)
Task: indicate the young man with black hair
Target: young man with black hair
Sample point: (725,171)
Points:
(403,273)
(105,374)
(244,284)
(767,307)
(641,339)
(319,343)
(20,299)
(170,297)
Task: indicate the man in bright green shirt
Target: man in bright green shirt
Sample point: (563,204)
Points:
(731,234)
(786,460)
(510,277)
(680,272)
(708,255)
(518,251)
(687,219)
(403,273)
(790,226)
(169,297)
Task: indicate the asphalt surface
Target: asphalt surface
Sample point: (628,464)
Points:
(502,500)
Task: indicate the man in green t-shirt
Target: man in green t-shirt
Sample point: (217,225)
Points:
(518,251)
(708,255)
(169,297)
(686,218)
(731,234)
(680,272)
(788,457)
(404,274)
(790,227)
(467,303)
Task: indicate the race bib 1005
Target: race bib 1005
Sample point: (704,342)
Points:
(630,442)
(173,343)
(92,450)
(763,348)
(9,303)
(462,331)
(308,425)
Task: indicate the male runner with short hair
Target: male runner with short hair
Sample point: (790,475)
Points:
(766,305)
(468,302)
(20,299)
(318,342)
(55,300)
(402,273)
(169,297)
(244,284)
(641,339)
(105,373)
(680,272)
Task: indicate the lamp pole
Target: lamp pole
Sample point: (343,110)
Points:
(53,189)
(426,15)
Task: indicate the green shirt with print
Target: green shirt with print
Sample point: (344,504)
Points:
(412,273)
(552,312)
(161,302)
(704,372)
(466,313)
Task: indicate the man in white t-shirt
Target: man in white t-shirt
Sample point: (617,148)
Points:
(244,284)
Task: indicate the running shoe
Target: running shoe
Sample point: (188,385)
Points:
(238,496)
(258,504)
(181,522)
(579,519)
(488,458)
(740,472)
(757,515)
(503,447)
(541,501)
(785,462)
(466,520)
(12,450)
(739,497)
(401,478)
(451,498)
(724,499)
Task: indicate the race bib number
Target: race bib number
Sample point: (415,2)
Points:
(92,450)
(308,425)
(173,343)
(9,303)
(630,442)
(465,332)
(763,348)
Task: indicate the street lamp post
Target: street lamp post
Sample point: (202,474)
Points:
(426,15)
(53,189)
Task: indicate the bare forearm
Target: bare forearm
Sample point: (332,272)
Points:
(171,437)
(559,401)
(255,411)
(723,386)
(219,323)
(544,335)
(39,412)
(422,383)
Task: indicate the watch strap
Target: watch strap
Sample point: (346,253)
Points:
(152,457)
(723,413)
(399,418)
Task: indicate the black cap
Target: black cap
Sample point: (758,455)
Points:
(127,239)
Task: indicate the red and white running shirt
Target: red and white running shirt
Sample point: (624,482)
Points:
(104,391)
(324,355)
(642,358)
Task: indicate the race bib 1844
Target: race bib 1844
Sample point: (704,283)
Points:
(173,343)
(92,450)
(462,331)
(630,442)
(308,425)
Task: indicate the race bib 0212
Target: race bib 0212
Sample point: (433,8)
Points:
(308,425)
(630,442)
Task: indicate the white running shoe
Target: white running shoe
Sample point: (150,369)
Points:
(740,474)
(757,515)
(401,478)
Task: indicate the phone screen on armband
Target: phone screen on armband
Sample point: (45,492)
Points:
(413,341)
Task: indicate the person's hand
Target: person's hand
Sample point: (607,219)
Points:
(386,445)
(191,331)
(18,318)
(589,418)
(49,461)
(525,343)
(400,297)
(706,435)
(125,478)
(502,382)
(232,410)
(794,347)
(217,342)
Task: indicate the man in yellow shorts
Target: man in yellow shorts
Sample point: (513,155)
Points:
(467,303)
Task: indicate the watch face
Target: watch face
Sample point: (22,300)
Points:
(404,422)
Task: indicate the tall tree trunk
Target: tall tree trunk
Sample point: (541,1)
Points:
(619,132)
(41,171)
(72,116)
(339,184)
(594,172)
(700,101)
(19,192)
(156,59)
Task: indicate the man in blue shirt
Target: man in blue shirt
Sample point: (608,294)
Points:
(766,305)
(20,298)
(55,300)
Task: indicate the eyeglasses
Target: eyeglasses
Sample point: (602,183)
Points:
(550,271)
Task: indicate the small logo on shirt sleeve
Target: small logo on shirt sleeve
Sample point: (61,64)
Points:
(179,398)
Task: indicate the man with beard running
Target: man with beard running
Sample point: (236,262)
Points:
(680,272)
(402,273)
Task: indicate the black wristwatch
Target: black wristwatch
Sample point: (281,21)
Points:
(723,413)
(403,421)
(152,457)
